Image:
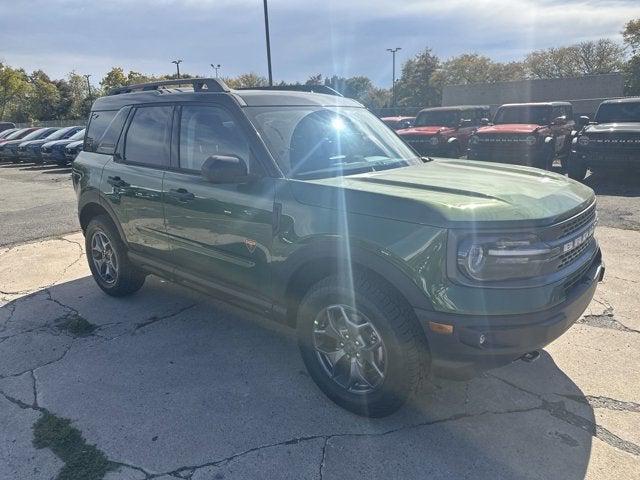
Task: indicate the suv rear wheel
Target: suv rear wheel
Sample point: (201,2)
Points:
(108,261)
(362,346)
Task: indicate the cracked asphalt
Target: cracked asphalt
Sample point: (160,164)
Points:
(169,384)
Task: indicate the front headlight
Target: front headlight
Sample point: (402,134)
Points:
(475,139)
(501,257)
(583,140)
(434,140)
(531,140)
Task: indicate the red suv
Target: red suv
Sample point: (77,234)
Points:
(444,131)
(532,134)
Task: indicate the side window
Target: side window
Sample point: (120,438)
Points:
(98,123)
(206,131)
(148,139)
(557,112)
(568,111)
(109,140)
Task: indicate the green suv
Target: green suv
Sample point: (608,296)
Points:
(306,208)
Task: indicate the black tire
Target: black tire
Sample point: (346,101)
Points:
(576,170)
(454,150)
(128,278)
(545,161)
(405,346)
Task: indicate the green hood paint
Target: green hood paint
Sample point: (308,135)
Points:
(443,192)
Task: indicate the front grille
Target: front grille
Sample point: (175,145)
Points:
(568,258)
(614,141)
(579,221)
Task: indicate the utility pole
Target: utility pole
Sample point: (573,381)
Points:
(216,67)
(393,76)
(89,87)
(177,62)
(266,31)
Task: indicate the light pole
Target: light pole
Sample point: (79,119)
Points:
(89,87)
(216,67)
(266,31)
(177,62)
(393,76)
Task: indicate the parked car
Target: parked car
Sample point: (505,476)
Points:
(10,150)
(7,132)
(18,135)
(531,134)
(72,149)
(6,126)
(31,151)
(444,131)
(398,123)
(306,208)
(611,142)
(53,152)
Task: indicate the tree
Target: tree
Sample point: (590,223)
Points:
(631,35)
(14,85)
(600,56)
(113,79)
(314,79)
(246,80)
(43,97)
(376,98)
(414,88)
(471,68)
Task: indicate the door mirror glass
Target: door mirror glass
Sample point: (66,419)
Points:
(562,120)
(225,169)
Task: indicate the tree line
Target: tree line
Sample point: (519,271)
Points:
(32,97)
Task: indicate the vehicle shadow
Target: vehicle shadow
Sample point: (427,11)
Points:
(615,183)
(169,378)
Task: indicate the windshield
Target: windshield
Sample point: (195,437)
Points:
(36,134)
(62,133)
(437,118)
(529,114)
(17,134)
(315,142)
(618,112)
(79,135)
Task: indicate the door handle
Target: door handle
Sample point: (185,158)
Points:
(181,195)
(117,182)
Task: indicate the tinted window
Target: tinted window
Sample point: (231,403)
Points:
(149,137)
(437,118)
(618,112)
(98,123)
(108,141)
(38,134)
(532,114)
(207,131)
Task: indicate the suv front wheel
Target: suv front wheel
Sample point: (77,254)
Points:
(361,345)
(108,261)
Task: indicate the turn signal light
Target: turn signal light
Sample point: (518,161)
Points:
(442,328)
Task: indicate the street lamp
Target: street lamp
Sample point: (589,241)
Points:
(216,67)
(393,75)
(177,62)
(88,86)
(266,31)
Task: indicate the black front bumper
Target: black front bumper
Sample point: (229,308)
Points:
(612,159)
(462,355)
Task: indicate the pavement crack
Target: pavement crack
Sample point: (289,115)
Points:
(155,318)
(323,458)
(605,320)
(35,388)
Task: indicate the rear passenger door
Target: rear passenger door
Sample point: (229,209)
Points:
(220,234)
(133,181)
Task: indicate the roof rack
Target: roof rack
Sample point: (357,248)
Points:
(199,84)
(299,88)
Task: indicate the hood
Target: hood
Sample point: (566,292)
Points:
(75,143)
(64,141)
(509,128)
(426,130)
(631,127)
(453,193)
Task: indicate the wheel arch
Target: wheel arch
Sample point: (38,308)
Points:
(92,209)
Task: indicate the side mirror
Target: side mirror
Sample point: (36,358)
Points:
(583,120)
(465,122)
(559,120)
(484,121)
(225,169)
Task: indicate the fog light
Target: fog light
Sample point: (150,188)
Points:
(442,328)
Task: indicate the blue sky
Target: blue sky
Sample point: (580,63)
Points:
(346,37)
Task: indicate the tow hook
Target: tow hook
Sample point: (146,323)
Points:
(530,357)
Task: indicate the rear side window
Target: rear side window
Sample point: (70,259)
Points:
(107,144)
(98,123)
(148,139)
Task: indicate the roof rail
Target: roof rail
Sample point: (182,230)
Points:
(298,88)
(199,84)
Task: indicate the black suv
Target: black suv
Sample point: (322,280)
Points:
(306,208)
(611,142)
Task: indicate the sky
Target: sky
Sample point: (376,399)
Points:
(345,38)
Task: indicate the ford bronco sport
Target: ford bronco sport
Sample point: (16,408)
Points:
(612,142)
(444,131)
(306,208)
(532,134)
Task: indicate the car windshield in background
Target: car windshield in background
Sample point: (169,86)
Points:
(316,142)
(537,115)
(447,118)
(78,135)
(33,135)
(618,112)
(57,135)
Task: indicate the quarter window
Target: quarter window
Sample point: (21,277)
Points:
(98,123)
(149,137)
(206,131)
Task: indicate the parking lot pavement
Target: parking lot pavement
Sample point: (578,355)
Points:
(168,383)
(36,201)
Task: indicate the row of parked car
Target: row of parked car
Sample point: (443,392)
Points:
(532,134)
(55,145)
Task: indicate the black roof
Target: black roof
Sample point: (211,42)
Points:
(623,100)
(173,90)
(526,104)
(454,108)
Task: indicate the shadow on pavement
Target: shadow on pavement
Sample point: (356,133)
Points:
(623,184)
(170,381)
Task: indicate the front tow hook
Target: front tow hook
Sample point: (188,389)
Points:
(530,357)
